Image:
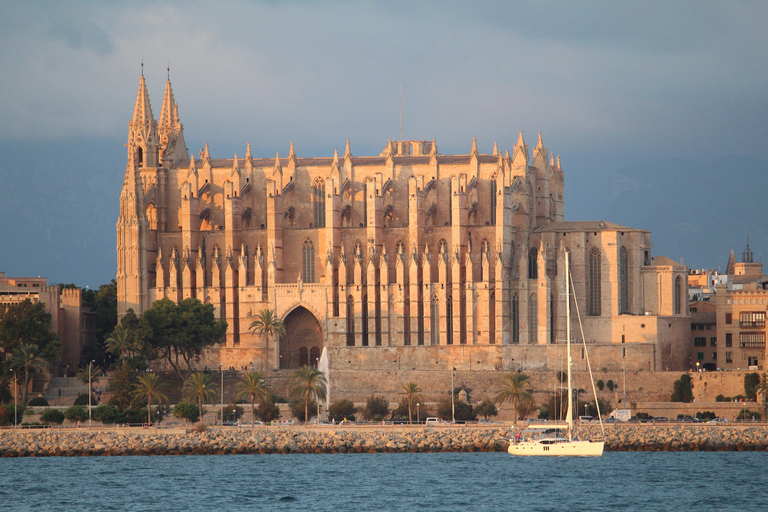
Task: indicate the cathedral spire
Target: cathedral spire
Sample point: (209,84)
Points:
(142,131)
(347,151)
(142,111)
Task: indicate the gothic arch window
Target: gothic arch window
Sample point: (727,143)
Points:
(533,317)
(678,294)
(350,321)
(493,200)
(515,319)
(533,270)
(623,281)
(308,262)
(318,202)
(359,252)
(594,282)
(140,155)
(485,249)
(442,247)
(552,319)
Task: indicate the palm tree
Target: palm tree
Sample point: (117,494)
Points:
(266,323)
(308,382)
(514,389)
(27,358)
(149,386)
(121,342)
(199,387)
(89,373)
(253,386)
(412,392)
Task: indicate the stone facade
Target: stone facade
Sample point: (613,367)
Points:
(409,258)
(73,323)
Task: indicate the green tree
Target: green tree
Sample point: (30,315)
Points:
(104,414)
(180,332)
(302,412)
(11,413)
(267,324)
(121,384)
(27,323)
(149,386)
(82,399)
(308,383)
(514,389)
(103,304)
(253,386)
(199,388)
(26,360)
(682,389)
(376,408)
(340,410)
(52,416)
(90,373)
(121,342)
(187,411)
(268,411)
(751,385)
(76,413)
(412,393)
(486,408)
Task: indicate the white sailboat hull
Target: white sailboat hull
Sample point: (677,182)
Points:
(562,448)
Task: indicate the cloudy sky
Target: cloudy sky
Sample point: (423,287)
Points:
(657,109)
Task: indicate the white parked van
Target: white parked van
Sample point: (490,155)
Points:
(433,421)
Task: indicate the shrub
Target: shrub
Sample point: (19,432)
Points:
(76,413)
(610,385)
(643,416)
(600,384)
(39,401)
(268,411)
(706,415)
(562,376)
(341,409)
(462,411)
(131,415)
(486,408)
(82,399)
(376,408)
(747,415)
(52,416)
(721,398)
(297,409)
(683,389)
(7,414)
(187,411)
(104,413)
(233,412)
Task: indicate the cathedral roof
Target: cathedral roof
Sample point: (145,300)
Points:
(584,226)
(749,279)
(663,261)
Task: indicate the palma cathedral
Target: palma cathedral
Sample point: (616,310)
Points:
(409,259)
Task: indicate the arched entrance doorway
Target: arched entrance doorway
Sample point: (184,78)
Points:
(303,341)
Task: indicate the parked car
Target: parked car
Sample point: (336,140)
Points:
(660,419)
(718,420)
(433,421)
(585,419)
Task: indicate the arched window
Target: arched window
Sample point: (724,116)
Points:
(318,202)
(533,269)
(533,317)
(493,200)
(308,260)
(594,282)
(140,155)
(552,320)
(350,321)
(515,319)
(678,294)
(623,281)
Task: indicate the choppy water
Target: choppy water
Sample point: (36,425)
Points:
(729,481)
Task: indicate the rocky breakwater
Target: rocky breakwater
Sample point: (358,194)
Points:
(44,443)
(264,440)
(680,437)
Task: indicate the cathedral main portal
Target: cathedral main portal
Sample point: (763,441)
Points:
(303,341)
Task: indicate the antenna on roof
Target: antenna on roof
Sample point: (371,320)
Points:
(401,113)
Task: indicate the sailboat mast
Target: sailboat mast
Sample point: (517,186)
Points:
(569,414)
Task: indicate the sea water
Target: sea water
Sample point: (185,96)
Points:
(721,481)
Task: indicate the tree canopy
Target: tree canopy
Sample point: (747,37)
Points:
(180,332)
(28,323)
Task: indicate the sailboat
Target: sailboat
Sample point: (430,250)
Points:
(553,439)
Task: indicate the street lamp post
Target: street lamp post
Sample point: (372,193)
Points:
(418,414)
(453,405)
(90,387)
(15,398)
(221,370)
